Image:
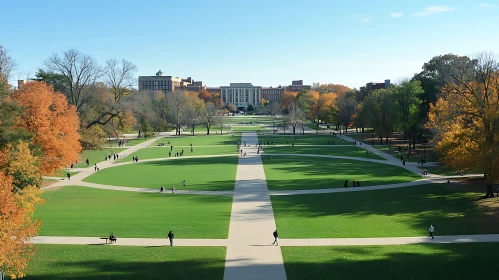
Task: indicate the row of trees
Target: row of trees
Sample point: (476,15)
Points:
(38,135)
(453,102)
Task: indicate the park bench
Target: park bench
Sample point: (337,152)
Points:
(107,238)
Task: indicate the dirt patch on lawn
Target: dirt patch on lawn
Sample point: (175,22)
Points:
(46,183)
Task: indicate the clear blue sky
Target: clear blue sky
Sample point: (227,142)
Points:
(266,42)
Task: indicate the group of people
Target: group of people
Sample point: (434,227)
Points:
(162,188)
(135,159)
(121,143)
(425,173)
(114,156)
(354,184)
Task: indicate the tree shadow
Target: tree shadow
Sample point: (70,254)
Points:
(435,261)
(452,209)
(295,173)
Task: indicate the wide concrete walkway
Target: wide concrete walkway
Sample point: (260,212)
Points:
(77,240)
(250,253)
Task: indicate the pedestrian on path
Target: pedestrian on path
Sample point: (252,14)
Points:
(431,229)
(185,184)
(173,189)
(403,162)
(346,184)
(88,162)
(95,167)
(69,176)
(171,236)
(161,189)
(276,237)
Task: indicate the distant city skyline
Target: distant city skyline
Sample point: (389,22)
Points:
(266,43)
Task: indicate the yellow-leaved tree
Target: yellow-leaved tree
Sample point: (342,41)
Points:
(16,225)
(465,119)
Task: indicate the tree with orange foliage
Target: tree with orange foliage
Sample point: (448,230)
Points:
(319,106)
(16,210)
(465,119)
(205,95)
(339,90)
(53,123)
(288,98)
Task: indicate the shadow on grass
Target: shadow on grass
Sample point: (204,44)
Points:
(436,261)
(453,209)
(132,269)
(295,173)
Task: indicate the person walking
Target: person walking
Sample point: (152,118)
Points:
(346,184)
(95,167)
(276,237)
(185,184)
(431,230)
(173,189)
(171,236)
(69,176)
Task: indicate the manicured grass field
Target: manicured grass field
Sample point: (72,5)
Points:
(81,211)
(307,139)
(409,211)
(52,262)
(96,156)
(163,152)
(325,150)
(198,140)
(246,128)
(297,173)
(214,173)
(428,261)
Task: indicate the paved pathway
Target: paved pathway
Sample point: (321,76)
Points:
(390,240)
(250,253)
(72,240)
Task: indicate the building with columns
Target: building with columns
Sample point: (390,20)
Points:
(241,95)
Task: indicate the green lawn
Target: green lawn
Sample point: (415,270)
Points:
(453,210)
(81,211)
(96,156)
(52,262)
(198,140)
(325,150)
(296,173)
(307,139)
(428,261)
(164,152)
(246,128)
(214,173)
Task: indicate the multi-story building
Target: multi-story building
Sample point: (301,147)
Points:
(297,86)
(374,86)
(272,93)
(241,95)
(159,82)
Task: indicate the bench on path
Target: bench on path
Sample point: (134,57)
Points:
(107,238)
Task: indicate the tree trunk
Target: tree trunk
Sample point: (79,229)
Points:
(414,139)
(207,130)
(362,128)
(490,192)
